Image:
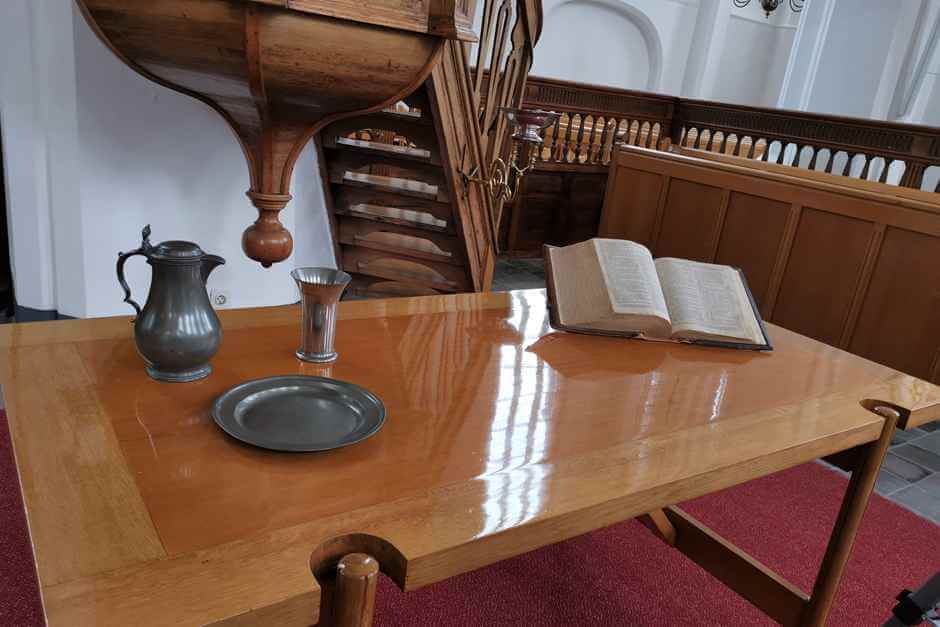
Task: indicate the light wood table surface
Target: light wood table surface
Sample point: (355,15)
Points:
(502,436)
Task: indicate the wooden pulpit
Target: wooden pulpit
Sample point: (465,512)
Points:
(279,70)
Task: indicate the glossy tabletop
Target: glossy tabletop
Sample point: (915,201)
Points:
(501,436)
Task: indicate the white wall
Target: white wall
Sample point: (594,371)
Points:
(853,57)
(618,54)
(694,48)
(632,44)
(25,141)
(753,61)
(865,58)
(95,152)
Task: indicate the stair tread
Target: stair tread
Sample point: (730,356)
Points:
(417,281)
(404,219)
(404,152)
(394,266)
(424,255)
(405,116)
(405,187)
(376,287)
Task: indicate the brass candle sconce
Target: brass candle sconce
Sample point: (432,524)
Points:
(527,141)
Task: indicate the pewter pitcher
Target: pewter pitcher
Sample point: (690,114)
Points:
(177,331)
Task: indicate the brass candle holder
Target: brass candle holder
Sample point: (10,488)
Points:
(503,181)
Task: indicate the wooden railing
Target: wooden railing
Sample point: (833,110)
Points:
(594,119)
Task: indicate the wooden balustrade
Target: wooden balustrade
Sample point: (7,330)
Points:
(595,118)
(557,203)
(897,154)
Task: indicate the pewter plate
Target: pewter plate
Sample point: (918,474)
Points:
(298,413)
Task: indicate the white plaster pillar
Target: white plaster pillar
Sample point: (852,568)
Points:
(803,64)
(25,158)
(708,41)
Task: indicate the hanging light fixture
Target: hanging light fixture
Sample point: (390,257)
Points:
(770,6)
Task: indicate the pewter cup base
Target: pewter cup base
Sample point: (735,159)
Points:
(317,358)
(180,377)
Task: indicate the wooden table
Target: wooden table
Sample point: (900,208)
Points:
(501,437)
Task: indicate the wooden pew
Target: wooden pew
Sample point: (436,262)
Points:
(851,263)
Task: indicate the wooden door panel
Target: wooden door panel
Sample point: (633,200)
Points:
(822,274)
(689,220)
(750,238)
(899,325)
(630,205)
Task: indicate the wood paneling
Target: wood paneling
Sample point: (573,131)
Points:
(849,265)
(750,238)
(822,275)
(690,214)
(631,194)
(901,311)
(556,210)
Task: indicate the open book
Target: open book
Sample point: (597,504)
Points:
(614,287)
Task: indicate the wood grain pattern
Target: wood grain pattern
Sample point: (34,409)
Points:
(86,465)
(818,286)
(235,531)
(901,311)
(690,214)
(749,237)
(825,258)
(626,213)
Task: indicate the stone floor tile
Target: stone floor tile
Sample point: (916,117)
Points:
(901,436)
(931,484)
(931,426)
(888,482)
(930,442)
(920,501)
(907,470)
(918,455)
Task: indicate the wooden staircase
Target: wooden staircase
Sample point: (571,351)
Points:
(404,221)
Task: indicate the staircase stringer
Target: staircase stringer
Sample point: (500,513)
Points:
(459,139)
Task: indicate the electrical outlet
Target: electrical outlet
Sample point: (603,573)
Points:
(220,299)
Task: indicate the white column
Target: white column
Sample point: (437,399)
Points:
(800,76)
(25,158)
(708,41)
(54,80)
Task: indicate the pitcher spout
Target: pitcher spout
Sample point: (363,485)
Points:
(210,263)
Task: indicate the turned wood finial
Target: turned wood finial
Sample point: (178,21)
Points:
(357,576)
(266,240)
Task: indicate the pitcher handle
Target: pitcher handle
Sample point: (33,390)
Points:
(123,257)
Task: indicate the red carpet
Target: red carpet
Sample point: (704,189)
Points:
(622,575)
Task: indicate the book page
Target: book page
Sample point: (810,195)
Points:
(707,301)
(580,293)
(631,278)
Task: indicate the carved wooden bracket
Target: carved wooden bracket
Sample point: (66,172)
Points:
(277,74)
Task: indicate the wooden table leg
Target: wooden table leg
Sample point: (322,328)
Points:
(757,583)
(664,526)
(348,598)
(354,598)
(347,570)
(853,507)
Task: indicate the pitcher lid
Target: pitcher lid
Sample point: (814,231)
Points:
(176,250)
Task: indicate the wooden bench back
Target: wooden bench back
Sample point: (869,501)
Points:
(850,263)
